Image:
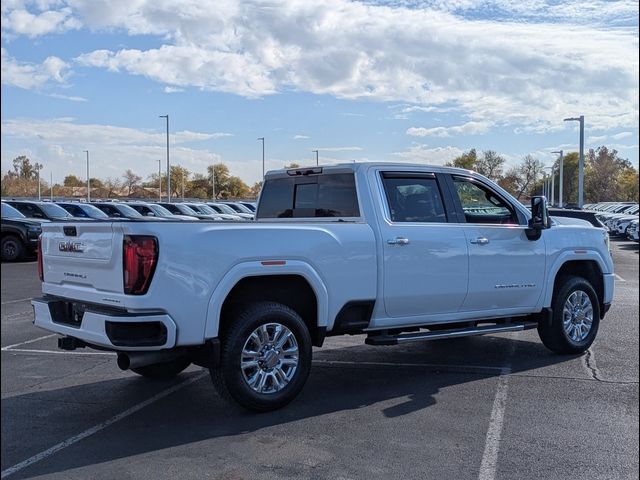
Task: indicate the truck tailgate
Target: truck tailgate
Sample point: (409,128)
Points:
(84,255)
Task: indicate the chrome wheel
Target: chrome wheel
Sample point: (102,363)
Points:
(269,358)
(577,316)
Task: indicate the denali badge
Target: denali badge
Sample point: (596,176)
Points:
(70,247)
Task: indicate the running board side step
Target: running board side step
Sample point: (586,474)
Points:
(452,333)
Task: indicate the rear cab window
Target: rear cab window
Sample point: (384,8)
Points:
(331,194)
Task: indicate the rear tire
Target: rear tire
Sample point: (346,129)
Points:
(165,370)
(576,317)
(265,357)
(12,248)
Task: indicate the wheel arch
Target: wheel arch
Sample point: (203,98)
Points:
(589,268)
(294,284)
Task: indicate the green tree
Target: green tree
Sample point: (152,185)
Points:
(131,180)
(603,171)
(73,181)
(628,182)
(23,168)
(490,164)
(467,160)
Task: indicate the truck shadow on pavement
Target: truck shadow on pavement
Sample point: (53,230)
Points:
(353,391)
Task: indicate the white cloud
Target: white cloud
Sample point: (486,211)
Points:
(300,137)
(172,90)
(339,149)
(469,128)
(72,98)
(21,21)
(29,76)
(59,144)
(420,153)
(596,139)
(513,73)
(537,63)
(621,135)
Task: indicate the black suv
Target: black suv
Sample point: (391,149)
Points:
(40,210)
(19,234)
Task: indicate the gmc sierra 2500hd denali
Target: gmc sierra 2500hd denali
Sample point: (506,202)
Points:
(401,253)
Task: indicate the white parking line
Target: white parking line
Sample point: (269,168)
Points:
(28,341)
(55,352)
(97,428)
(489,463)
(16,301)
(619,278)
(492,442)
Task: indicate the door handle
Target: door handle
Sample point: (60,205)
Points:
(398,241)
(480,241)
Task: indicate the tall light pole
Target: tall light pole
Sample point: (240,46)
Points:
(88,186)
(581,161)
(262,138)
(168,164)
(51,187)
(159,179)
(551,185)
(561,179)
(213,182)
(316,152)
(38,172)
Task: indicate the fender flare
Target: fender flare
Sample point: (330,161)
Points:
(255,269)
(564,257)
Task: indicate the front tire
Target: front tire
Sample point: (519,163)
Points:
(12,248)
(576,317)
(265,357)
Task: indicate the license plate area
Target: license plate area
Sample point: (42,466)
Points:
(67,313)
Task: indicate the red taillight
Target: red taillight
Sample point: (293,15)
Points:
(40,267)
(139,259)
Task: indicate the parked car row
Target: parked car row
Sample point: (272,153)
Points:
(21,219)
(617,217)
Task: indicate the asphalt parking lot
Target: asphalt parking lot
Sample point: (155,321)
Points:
(498,406)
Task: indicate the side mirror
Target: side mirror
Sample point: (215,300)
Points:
(151,214)
(540,219)
(38,215)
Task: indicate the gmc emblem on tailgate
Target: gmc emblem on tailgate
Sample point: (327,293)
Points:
(70,247)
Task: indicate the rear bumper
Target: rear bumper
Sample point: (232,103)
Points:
(153,331)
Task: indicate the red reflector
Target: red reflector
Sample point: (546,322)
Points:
(40,266)
(139,259)
(270,263)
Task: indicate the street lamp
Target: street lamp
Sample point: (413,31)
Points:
(88,186)
(262,138)
(561,179)
(159,179)
(553,185)
(38,172)
(51,187)
(316,152)
(213,182)
(581,161)
(168,164)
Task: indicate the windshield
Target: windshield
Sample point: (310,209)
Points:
(93,212)
(127,211)
(207,209)
(239,208)
(160,210)
(225,208)
(53,210)
(9,212)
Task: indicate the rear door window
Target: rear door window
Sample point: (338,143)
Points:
(321,196)
(413,197)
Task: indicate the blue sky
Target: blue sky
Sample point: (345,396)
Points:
(417,81)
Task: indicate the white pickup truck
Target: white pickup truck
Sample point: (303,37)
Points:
(400,253)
